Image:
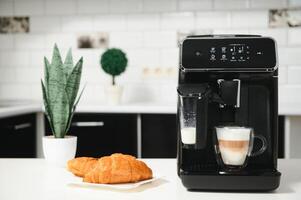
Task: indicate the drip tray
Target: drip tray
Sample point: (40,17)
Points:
(255,181)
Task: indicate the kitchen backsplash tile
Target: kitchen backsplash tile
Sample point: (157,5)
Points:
(293,3)
(294,36)
(260,4)
(289,55)
(6,7)
(63,40)
(177,21)
(109,22)
(133,39)
(10,74)
(162,39)
(128,6)
(71,24)
(212,19)
(282,75)
(29,41)
(14,59)
(45,24)
(92,6)
(58,7)
(230,4)
(194,5)
(29,7)
(249,19)
(143,22)
(159,5)
(294,74)
(146,30)
(6,41)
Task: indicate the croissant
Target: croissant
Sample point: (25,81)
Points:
(81,165)
(118,168)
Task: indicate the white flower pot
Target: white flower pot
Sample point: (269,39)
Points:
(58,151)
(114,94)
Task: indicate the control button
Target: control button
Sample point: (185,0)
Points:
(198,53)
(247,47)
(212,57)
(224,49)
(233,58)
(212,50)
(259,53)
(247,52)
(248,58)
(224,57)
(241,57)
(240,49)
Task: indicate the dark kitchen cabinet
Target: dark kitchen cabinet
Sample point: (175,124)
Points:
(18,136)
(159,135)
(104,134)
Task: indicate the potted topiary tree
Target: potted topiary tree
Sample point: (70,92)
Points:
(114,62)
(60,88)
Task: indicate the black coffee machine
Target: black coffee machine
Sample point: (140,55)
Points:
(227,80)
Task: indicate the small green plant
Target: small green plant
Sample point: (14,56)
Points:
(113,62)
(60,88)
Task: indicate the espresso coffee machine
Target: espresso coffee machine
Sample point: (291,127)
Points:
(227,80)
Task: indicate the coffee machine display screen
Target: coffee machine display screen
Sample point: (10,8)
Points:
(241,53)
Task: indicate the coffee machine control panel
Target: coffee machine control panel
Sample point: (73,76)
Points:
(258,53)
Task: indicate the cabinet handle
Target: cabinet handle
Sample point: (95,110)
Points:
(22,126)
(88,124)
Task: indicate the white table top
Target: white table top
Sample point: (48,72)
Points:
(34,179)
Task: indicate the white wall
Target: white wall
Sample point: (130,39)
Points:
(146,30)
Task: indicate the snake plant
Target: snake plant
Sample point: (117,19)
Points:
(60,88)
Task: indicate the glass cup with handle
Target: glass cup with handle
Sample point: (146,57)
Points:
(234,145)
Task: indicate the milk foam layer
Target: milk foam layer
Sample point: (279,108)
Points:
(233,133)
(188,135)
(231,157)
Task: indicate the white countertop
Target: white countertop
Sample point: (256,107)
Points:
(19,110)
(34,179)
(138,107)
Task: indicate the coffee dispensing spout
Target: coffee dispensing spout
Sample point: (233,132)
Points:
(229,92)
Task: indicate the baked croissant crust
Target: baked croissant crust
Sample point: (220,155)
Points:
(81,165)
(118,168)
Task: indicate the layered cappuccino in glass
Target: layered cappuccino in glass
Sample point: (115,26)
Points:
(234,145)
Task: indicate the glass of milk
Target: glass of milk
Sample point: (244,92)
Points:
(187,116)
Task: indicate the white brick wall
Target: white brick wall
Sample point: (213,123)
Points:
(58,7)
(230,4)
(249,19)
(45,24)
(6,41)
(6,7)
(260,4)
(212,19)
(92,6)
(29,7)
(194,5)
(109,22)
(143,22)
(146,30)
